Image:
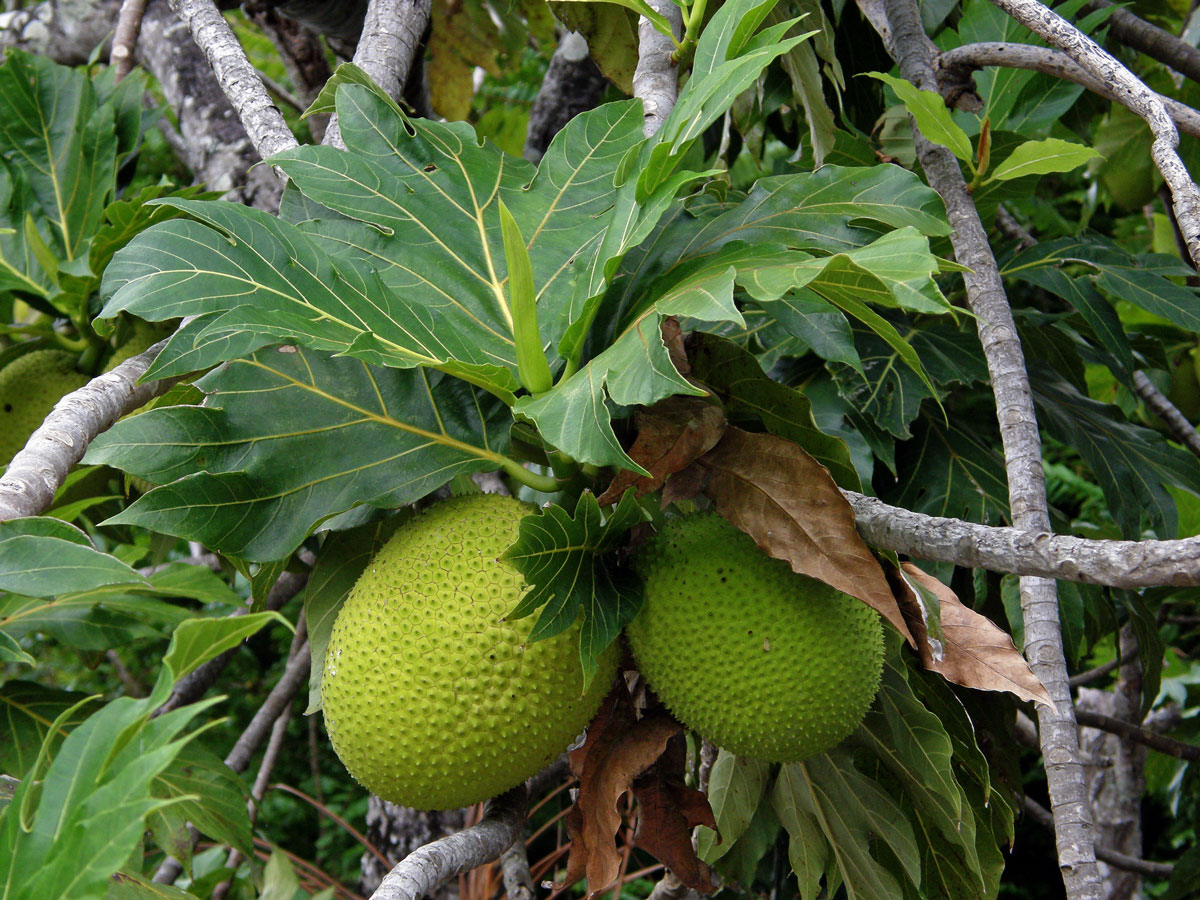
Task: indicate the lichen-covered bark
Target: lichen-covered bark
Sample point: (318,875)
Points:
(397,831)
(67,30)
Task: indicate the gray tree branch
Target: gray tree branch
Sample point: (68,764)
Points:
(1042,816)
(129,24)
(1150,39)
(1023,464)
(656,77)
(239,79)
(37,471)
(1056,30)
(573,84)
(1181,429)
(424,869)
(959,61)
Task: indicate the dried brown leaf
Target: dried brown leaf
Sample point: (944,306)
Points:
(774,491)
(671,435)
(975,652)
(668,810)
(619,748)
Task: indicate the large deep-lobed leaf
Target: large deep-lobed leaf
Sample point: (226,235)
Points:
(293,437)
(560,555)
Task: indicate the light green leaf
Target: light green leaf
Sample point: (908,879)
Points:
(1042,158)
(42,566)
(641,8)
(929,111)
(196,641)
(836,813)
(735,787)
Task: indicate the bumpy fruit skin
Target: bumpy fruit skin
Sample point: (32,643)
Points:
(763,662)
(430,700)
(29,387)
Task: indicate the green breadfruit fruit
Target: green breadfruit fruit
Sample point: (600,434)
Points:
(430,699)
(29,387)
(763,662)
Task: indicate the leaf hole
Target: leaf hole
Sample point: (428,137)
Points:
(8,407)
(430,168)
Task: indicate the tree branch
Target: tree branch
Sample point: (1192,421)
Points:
(1132,732)
(424,869)
(1023,465)
(656,78)
(387,49)
(959,61)
(238,78)
(573,84)
(1150,39)
(1098,63)
(1128,564)
(129,23)
(1100,671)
(1042,816)
(35,473)
(1181,429)
(295,676)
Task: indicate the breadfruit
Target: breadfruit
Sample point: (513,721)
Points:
(431,699)
(141,336)
(29,387)
(761,661)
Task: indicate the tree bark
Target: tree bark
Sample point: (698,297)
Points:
(398,831)
(573,84)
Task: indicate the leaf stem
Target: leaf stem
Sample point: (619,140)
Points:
(547,484)
(693,19)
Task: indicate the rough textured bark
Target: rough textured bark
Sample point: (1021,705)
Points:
(656,78)
(220,154)
(1139,34)
(129,24)
(573,84)
(37,471)
(67,31)
(1181,429)
(239,80)
(423,870)
(391,34)
(302,55)
(398,831)
(1074,833)
(1116,779)
(1128,564)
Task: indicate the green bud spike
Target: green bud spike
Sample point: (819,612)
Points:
(532,368)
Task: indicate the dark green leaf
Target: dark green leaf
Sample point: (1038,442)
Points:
(558,553)
(299,437)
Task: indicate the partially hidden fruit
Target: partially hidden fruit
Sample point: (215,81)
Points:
(763,662)
(29,387)
(430,699)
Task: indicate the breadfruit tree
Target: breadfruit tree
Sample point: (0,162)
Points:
(649,447)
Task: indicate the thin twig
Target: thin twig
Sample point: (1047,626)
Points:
(1132,732)
(1100,671)
(1181,429)
(1042,816)
(129,24)
(424,869)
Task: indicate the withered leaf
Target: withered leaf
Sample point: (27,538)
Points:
(974,651)
(778,494)
(671,435)
(620,750)
(668,810)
